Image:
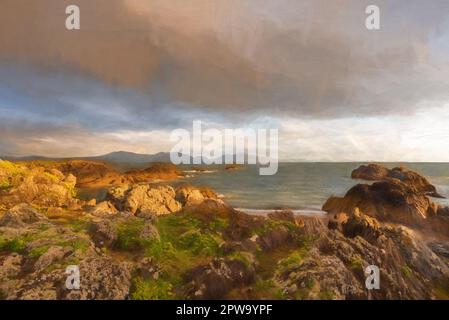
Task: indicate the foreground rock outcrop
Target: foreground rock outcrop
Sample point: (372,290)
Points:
(410,178)
(154,241)
(401,196)
(38,186)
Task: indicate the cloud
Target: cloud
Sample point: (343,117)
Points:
(143,67)
(302,58)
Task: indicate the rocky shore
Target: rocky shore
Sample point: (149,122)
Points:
(154,241)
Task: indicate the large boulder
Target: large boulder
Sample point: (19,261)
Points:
(156,172)
(152,199)
(413,179)
(40,186)
(20,216)
(216,279)
(390,200)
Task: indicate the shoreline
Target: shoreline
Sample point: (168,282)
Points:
(296,212)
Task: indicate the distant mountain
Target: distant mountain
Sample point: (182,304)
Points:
(123,156)
(115,157)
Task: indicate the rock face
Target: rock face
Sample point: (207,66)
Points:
(191,196)
(92,173)
(214,280)
(39,186)
(157,171)
(391,201)
(157,200)
(20,216)
(95,173)
(408,177)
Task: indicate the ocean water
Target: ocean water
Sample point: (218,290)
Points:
(300,186)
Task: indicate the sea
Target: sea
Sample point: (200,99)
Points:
(301,187)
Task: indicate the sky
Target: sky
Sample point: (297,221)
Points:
(139,69)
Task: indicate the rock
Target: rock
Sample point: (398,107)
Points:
(36,185)
(92,173)
(283,215)
(273,239)
(52,255)
(371,171)
(441,248)
(103,233)
(189,196)
(242,226)
(21,215)
(102,279)
(322,277)
(409,177)
(157,171)
(10,266)
(104,208)
(391,201)
(357,224)
(216,279)
(157,200)
(149,232)
(91,203)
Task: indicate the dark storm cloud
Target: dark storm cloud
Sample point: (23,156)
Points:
(299,58)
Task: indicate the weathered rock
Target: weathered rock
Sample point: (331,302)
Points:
(157,200)
(322,277)
(104,208)
(103,233)
(157,171)
(409,177)
(102,279)
(189,196)
(36,185)
(283,215)
(216,279)
(441,248)
(10,266)
(357,224)
(149,232)
(273,239)
(52,255)
(392,201)
(21,215)
(371,171)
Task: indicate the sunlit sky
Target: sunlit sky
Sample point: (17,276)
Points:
(138,69)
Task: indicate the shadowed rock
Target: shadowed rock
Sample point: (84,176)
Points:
(409,177)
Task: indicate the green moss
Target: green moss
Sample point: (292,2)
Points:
(151,289)
(37,252)
(128,235)
(5,184)
(79,225)
(218,225)
(406,271)
(326,295)
(72,190)
(356,262)
(271,225)
(11,168)
(267,289)
(80,245)
(13,245)
(51,177)
(291,261)
(199,243)
(242,257)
